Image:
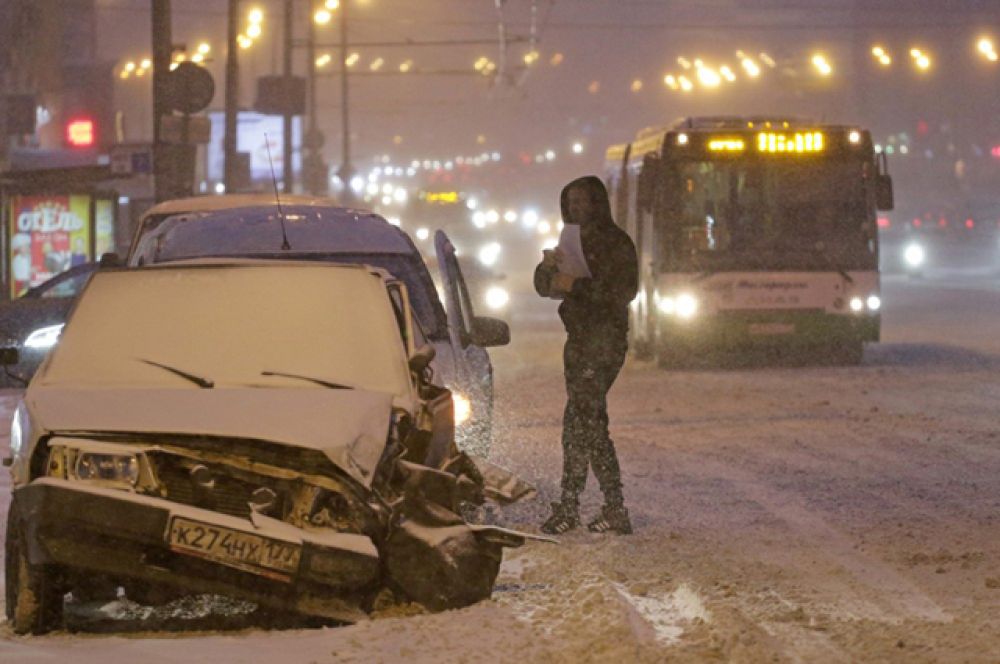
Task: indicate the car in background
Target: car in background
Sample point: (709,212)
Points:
(256,429)
(316,229)
(31,323)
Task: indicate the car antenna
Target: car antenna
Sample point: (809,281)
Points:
(277,199)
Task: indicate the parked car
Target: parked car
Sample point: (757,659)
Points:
(315,229)
(257,429)
(32,322)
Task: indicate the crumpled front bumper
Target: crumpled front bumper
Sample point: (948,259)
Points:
(124,535)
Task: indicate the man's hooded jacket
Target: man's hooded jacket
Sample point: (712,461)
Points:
(597,307)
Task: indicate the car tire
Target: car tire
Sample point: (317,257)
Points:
(34,599)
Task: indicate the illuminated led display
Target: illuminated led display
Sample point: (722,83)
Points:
(443,197)
(799,142)
(726,145)
(80,133)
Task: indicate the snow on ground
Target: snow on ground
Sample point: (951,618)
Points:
(789,514)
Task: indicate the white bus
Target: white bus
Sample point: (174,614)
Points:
(757,237)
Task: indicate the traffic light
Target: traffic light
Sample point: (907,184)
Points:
(81,132)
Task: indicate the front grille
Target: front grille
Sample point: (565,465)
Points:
(228,496)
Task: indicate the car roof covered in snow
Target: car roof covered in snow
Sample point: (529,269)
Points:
(232,201)
(257,230)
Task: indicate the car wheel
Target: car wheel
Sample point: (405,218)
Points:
(34,598)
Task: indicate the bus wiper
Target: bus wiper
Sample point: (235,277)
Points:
(200,381)
(319,381)
(829,261)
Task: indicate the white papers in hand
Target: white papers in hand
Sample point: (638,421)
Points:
(573,261)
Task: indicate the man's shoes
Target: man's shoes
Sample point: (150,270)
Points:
(612,519)
(564,518)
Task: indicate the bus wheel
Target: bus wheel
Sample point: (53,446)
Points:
(668,357)
(850,352)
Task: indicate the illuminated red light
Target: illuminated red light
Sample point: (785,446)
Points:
(917,223)
(995,151)
(80,133)
(942,222)
(969,223)
(883,222)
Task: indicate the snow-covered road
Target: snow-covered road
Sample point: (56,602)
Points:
(795,514)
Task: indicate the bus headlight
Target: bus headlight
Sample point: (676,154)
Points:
(463,408)
(857,304)
(686,305)
(874,302)
(497,298)
(666,305)
(44,337)
(914,255)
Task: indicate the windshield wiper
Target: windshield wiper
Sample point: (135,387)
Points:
(318,381)
(833,266)
(200,381)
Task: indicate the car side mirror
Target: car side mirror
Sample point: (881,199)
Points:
(9,356)
(109,259)
(488,332)
(884,197)
(422,358)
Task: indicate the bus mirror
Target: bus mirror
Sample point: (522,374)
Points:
(884,198)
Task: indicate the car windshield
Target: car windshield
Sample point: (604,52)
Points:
(322,234)
(230,325)
(767,214)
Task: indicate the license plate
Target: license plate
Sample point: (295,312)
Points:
(772,328)
(252,553)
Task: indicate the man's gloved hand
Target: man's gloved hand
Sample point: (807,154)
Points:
(562,283)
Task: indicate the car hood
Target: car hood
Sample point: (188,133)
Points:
(349,426)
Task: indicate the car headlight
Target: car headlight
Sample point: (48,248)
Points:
(497,298)
(857,304)
(686,305)
(874,302)
(463,408)
(108,465)
(44,337)
(914,255)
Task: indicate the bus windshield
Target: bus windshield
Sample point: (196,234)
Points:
(766,214)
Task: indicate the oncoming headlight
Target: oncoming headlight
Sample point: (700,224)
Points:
(463,408)
(497,298)
(914,255)
(874,302)
(857,304)
(44,337)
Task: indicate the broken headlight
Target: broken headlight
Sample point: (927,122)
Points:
(113,468)
(102,464)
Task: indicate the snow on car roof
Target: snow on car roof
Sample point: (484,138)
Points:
(257,230)
(231,201)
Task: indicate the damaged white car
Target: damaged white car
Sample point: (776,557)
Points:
(261,430)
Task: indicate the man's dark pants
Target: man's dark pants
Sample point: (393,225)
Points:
(592,363)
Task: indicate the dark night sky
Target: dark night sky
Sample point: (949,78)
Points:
(614,42)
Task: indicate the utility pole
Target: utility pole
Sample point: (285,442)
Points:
(287,172)
(162,48)
(232,95)
(346,171)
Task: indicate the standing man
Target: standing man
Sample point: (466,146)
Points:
(594,312)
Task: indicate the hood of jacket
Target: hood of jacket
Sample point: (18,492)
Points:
(598,197)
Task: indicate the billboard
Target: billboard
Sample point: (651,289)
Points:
(254,134)
(48,234)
